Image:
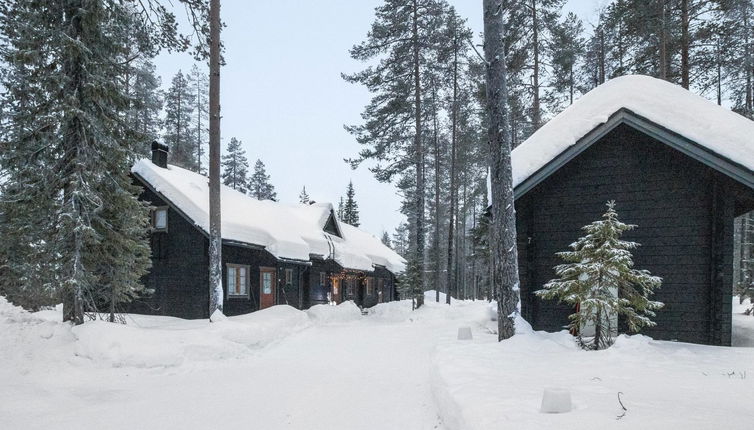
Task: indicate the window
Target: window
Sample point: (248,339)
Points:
(370,286)
(380,289)
(160,219)
(322,278)
(349,287)
(288,277)
(238,280)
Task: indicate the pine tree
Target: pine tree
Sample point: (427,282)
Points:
(392,133)
(400,240)
(386,239)
(147,101)
(235,166)
(565,50)
(341,208)
(351,208)
(303,197)
(179,131)
(259,184)
(598,277)
(503,229)
(68,148)
(199,87)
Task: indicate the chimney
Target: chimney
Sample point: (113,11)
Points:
(159,154)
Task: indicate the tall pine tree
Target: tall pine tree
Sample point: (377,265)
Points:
(351,208)
(235,166)
(179,129)
(259,184)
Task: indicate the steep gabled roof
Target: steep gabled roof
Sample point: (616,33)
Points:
(293,232)
(712,134)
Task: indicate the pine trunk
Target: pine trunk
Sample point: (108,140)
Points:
(503,225)
(536,114)
(419,164)
(685,44)
(453,142)
(436,142)
(215,238)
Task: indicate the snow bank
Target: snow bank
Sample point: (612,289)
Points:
(286,231)
(672,107)
(342,313)
(173,344)
(483,384)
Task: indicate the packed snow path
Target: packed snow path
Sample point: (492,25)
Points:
(332,368)
(367,373)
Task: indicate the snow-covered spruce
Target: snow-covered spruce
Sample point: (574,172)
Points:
(598,277)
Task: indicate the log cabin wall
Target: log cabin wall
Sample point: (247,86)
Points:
(684,211)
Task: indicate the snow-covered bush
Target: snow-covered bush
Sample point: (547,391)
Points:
(599,279)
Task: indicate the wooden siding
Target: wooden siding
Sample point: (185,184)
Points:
(684,212)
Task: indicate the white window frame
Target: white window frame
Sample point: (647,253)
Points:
(246,289)
(369,286)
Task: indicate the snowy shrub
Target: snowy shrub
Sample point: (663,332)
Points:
(599,280)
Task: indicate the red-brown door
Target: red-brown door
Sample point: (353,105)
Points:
(266,287)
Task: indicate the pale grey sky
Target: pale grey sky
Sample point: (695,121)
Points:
(282,94)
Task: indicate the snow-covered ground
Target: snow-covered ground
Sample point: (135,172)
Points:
(332,368)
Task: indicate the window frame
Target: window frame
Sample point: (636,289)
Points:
(235,266)
(322,279)
(154,219)
(369,286)
(288,277)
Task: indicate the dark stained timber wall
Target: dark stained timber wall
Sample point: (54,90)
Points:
(684,212)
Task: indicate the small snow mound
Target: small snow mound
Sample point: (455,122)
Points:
(523,326)
(344,312)
(218,316)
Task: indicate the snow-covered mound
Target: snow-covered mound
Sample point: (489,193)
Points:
(286,231)
(718,129)
(342,313)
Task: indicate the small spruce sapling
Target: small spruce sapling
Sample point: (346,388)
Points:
(598,277)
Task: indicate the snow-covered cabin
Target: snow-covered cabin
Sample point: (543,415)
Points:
(678,166)
(272,253)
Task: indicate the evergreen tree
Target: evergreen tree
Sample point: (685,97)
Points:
(341,208)
(235,166)
(68,200)
(351,208)
(565,50)
(401,40)
(386,239)
(303,197)
(147,100)
(199,87)
(598,277)
(179,131)
(503,228)
(400,240)
(259,184)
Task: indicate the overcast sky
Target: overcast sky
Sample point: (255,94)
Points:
(283,97)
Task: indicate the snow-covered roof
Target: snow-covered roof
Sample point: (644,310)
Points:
(286,231)
(719,130)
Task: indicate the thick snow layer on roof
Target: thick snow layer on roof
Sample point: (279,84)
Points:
(286,231)
(720,130)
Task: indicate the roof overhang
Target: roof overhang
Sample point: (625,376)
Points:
(690,148)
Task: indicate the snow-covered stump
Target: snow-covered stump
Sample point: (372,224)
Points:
(556,401)
(464,333)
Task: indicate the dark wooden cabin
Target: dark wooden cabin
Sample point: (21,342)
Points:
(682,193)
(253,278)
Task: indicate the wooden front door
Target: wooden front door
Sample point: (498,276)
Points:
(266,287)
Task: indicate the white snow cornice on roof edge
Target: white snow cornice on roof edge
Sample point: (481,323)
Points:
(670,106)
